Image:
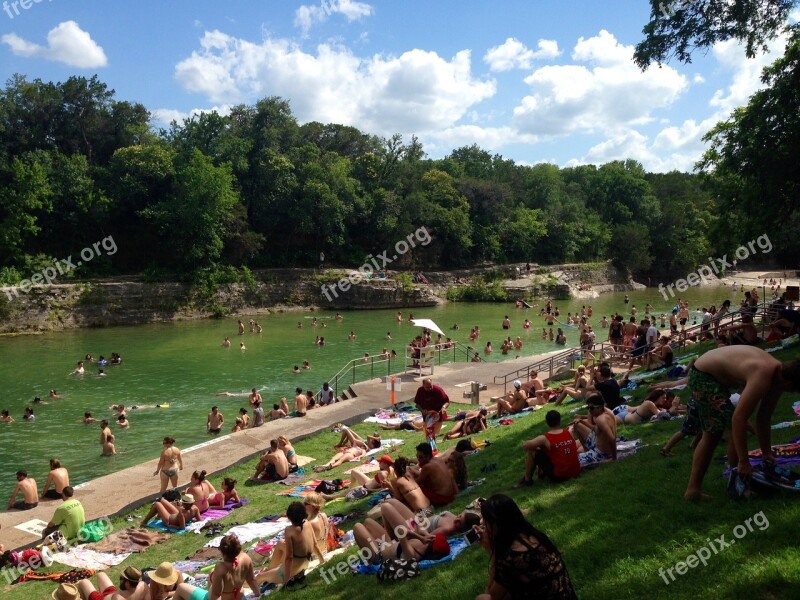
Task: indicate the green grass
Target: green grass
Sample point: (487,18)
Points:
(615,525)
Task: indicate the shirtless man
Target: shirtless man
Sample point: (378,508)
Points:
(597,433)
(537,392)
(762,379)
(30,493)
(513,402)
(434,478)
(255,397)
(406,490)
(273,465)
(109,449)
(241,327)
(276,412)
(215,420)
(579,389)
(104,432)
(300,403)
(59,477)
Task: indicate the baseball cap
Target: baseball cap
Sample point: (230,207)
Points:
(517,383)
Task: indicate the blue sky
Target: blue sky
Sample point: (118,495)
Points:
(533,80)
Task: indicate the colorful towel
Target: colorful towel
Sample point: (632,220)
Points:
(384,445)
(294,479)
(82,557)
(303,490)
(457,546)
(132,539)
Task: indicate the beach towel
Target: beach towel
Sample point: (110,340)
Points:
(304,460)
(159,524)
(71,576)
(384,445)
(132,539)
(626,448)
(369,467)
(303,490)
(251,531)
(457,545)
(81,557)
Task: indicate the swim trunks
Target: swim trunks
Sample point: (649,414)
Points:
(198,594)
(592,456)
(214,430)
(691,424)
(52,494)
(713,401)
(437,499)
(104,594)
(22,505)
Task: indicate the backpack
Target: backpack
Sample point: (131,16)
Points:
(396,569)
(329,487)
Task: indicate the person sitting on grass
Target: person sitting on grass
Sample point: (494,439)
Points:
(174,517)
(228,494)
(745,333)
(228,577)
(538,394)
(390,540)
(660,356)
(434,478)
(300,545)
(291,454)
(523,562)
(603,383)
(318,520)
(597,433)
(458,467)
(553,454)
(350,439)
(273,465)
(342,457)
(579,389)
(474,421)
(406,490)
(513,402)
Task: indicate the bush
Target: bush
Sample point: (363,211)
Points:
(477,292)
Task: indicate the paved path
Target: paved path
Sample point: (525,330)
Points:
(129,488)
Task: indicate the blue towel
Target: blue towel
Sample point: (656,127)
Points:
(159,524)
(457,545)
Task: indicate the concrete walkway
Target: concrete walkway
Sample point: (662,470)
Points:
(129,488)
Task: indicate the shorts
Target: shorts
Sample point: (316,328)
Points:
(52,494)
(106,593)
(592,456)
(683,321)
(22,505)
(199,594)
(691,424)
(214,430)
(621,411)
(713,402)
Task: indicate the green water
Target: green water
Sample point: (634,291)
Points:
(184,364)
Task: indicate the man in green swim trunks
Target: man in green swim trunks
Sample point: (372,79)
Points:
(762,379)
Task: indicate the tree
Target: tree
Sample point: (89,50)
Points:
(677,28)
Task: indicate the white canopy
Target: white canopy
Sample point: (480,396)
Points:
(427,324)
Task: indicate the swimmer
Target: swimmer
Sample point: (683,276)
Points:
(238,426)
(388,335)
(5,417)
(306,364)
(109,449)
(299,324)
(255,397)
(54,394)
(296,370)
(38,400)
(226,343)
(321,341)
(29,416)
(242,346)
(79,370)
(88,418)
(101,373)
(259,328)
(120,408)
(122,421)
(241,327)
(338,317)
(215,420)
(352,336)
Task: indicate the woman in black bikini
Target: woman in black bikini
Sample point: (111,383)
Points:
(299,538)
(524,562)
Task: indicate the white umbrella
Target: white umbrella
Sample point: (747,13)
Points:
(427,324)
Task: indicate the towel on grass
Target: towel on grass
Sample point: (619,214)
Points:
(369,467)
(384,445)
(626,448)
(251,531)
(159,524)
(303,490)
(131,539)
(457,545)
(293,479)
(81,557)
(304,460)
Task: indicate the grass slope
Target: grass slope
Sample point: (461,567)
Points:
(616,526)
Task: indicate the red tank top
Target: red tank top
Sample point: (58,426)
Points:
(563,454)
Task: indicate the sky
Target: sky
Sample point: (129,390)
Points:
(531,80)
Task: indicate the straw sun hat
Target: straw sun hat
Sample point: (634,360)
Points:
(165,574)
(66,591)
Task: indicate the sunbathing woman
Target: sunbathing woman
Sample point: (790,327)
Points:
(406,490)
(632,415)
(174,517)
(339,458)
(445,522)
(228,576)
(318,520)
(350,439)
(202,490)
(415,424)
(392,540)
(473,422)
(299,539)
(228,494)
(168,464)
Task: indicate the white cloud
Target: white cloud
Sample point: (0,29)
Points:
(416,92)
(608,93)
(66,43)
(698,78)
(513,54)
(307,15)
(165,116)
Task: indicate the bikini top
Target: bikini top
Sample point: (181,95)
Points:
(235,591)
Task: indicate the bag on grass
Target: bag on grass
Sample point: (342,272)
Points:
(398,569)
(93,531)
(329,487)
